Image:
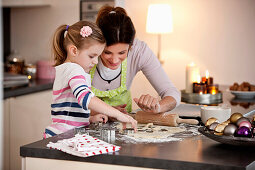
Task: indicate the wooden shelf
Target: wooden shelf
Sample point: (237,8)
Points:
(25,3)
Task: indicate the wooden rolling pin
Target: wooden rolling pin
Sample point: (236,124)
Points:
(164,119)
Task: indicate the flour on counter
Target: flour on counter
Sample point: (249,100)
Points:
(150,133)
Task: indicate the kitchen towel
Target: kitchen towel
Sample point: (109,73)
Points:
(83,146)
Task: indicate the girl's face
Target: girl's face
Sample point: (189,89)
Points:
(113,55)
(87,58)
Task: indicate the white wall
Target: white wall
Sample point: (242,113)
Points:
(32,28)
(217,35)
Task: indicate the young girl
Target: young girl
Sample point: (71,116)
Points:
(76,49)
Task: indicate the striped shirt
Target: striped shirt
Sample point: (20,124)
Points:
(71,96)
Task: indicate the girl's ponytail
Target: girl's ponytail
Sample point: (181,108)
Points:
(58,48)
(71,35)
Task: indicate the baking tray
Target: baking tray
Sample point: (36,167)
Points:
(230,140)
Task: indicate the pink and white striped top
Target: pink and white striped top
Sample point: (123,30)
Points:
(71,96)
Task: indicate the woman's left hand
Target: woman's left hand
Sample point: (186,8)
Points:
(148,103)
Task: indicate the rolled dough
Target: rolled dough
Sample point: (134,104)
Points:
(150,131)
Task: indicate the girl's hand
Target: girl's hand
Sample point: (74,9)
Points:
(121,108)
(148,103)
(98,118)
(124,118)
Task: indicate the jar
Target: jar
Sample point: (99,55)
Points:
(30,71)
(45,70)
(15,63)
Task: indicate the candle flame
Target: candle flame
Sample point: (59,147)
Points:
(200,92)
(207,74)
(213,92)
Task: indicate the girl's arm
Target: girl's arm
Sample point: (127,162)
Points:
(99,106)
(87,100)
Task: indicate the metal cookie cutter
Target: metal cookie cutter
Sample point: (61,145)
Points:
(107,134)
(128,131)
(81,131)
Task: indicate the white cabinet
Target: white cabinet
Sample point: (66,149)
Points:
(25,3)
(25,119)
(6,118)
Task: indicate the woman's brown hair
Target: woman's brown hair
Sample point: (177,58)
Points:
(116,25)
(65,35)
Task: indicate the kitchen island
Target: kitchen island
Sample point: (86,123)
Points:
(197,152)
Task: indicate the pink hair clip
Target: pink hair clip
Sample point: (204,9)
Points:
(85,31)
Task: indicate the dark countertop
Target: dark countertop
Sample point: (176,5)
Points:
(36,85)
(198,152)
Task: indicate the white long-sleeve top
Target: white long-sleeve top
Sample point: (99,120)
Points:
(71,96)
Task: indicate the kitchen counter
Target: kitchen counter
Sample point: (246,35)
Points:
(36,85)
(197,152)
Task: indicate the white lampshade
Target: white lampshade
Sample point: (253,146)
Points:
(159,19)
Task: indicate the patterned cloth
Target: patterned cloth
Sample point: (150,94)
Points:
(71,96)
(83,146)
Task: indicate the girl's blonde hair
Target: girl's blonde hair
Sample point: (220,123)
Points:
(73,36)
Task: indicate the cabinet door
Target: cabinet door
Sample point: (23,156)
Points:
(29,115)
(6,126)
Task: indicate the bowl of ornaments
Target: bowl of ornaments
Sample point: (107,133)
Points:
(237,130)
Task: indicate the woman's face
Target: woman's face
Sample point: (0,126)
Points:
(113,55)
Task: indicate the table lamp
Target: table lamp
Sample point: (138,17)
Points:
(159,21)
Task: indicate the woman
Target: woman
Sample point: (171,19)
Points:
(121,59)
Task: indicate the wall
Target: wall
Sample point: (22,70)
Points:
(217,35)
(32,28)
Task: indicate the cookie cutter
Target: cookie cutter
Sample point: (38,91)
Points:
(128,131)
(107,134)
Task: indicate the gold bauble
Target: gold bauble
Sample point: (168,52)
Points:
(226,122)
(210,121)
(235,116)
(220,128)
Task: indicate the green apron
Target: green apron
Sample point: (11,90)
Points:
(116,96)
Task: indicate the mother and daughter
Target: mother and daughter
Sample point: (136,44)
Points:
(76,49)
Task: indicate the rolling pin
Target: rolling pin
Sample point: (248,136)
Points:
(162,119)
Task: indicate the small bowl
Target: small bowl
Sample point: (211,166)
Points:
(220,113)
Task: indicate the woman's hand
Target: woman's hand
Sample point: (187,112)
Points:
(121,108)
(148,103)
(98,118)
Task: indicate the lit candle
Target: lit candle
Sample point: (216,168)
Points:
(213,89)
(199,87)
(192,71)
(207,79)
